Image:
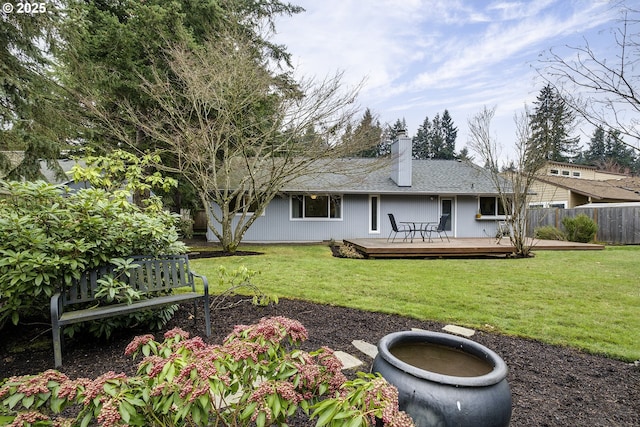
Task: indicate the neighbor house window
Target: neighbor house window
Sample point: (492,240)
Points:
(492,206)
(560,205)
(316,206)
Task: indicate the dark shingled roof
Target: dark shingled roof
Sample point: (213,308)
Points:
(444,177)
(610,189)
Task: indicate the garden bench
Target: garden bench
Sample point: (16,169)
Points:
(154,277)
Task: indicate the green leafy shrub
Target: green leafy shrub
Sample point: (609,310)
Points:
(580,228)
(549,232)
(186,228)
(48,235)
(237,283)
(258,376)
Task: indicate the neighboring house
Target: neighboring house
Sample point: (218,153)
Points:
(570,170)
(54,171)
(58,176)
(9,160)
(355,205)
(52,175)
(631,183)
(565,185)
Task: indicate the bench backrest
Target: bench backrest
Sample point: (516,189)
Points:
(152,274)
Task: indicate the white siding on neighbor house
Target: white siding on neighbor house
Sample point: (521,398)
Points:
(276,225)
(546,193)
(579,171)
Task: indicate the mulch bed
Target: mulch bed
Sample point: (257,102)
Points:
(551,386)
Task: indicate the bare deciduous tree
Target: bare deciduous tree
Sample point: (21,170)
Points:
(237,131)
(604,92)
(514,186)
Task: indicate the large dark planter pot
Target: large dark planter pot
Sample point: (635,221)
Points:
(459,382)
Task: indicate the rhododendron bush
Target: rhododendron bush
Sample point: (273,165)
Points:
(257,376)
(49,235)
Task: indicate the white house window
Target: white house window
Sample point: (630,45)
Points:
(492,206)
(554,171)
(374,214)
(576,174)
(316,206)
(565,173)
(242,202)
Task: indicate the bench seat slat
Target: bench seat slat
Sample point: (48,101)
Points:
(153,274)
(93,313)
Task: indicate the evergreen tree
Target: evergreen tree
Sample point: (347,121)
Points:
(391,132)
(597,151)
(619,157)
(607,151)
(368,132)
(450,133)
(435,138)
(347,136)
(465,155)
(113,49)
(32,117)
(551,124)
(421,141)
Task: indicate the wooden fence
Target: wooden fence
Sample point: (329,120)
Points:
(616,225)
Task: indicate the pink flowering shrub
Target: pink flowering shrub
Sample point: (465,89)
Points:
(257,376)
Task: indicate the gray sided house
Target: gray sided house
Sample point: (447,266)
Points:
(355,204)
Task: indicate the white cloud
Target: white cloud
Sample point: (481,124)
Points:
(420,57)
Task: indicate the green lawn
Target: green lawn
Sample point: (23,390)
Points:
(584,299)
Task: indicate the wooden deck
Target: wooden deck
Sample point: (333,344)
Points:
(471,247)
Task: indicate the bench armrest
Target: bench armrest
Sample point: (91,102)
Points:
(56,311)
(207,306)
(56,306)
(205,282)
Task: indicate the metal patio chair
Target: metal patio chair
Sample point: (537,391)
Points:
(404,228)
(440,228)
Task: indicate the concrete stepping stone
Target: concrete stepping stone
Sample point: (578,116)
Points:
(453,329)
(459,330)
(348,361)
(366,348)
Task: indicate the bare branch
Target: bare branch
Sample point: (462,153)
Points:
(604,93)
(513,186)
(236,132)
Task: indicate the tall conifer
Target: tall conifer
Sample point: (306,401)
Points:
(551,125)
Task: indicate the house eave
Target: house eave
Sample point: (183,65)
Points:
(399,192)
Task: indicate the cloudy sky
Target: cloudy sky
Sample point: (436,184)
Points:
(420,57)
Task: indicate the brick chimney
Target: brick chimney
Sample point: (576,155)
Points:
(401,160)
